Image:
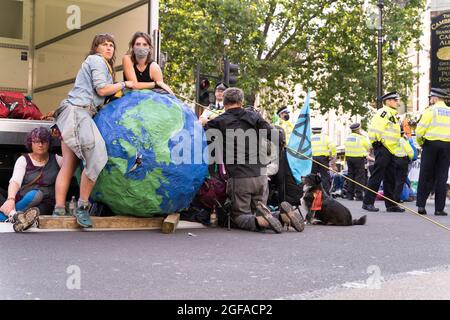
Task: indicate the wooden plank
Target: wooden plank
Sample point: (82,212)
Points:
(170,223)
(116,222)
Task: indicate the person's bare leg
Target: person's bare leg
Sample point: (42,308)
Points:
(86,187)
(70,163)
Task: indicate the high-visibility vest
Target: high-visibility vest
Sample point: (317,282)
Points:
(287,128)
(322,145)
(434,124)
(404,149)
(356,145)
(385,128)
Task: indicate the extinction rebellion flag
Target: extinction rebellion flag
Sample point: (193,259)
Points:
(299,149)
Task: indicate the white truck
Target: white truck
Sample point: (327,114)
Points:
(42,45)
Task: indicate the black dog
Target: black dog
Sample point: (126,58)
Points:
(332,212)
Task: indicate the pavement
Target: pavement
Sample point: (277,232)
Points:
(393,256)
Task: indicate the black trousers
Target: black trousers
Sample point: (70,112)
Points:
(434,164)
(383,170)
(357,172)
(324,173)
(401,173)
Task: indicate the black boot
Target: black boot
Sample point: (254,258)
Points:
(370,207)
(421,210)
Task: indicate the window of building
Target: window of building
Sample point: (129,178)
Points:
(11,19)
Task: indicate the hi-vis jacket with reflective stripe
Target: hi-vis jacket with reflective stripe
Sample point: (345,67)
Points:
(287,127)
(385,128)
(356,145)
(434,124)
(404,149)
(322,145)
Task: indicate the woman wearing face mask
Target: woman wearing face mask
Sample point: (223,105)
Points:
(139,67)
(81,139)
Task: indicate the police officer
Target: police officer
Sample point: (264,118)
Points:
(357,148)
(433,134)
(403,156)
(283,122)
(384,135)
(216,108)
(324,152)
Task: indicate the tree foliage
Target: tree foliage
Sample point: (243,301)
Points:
(326,45)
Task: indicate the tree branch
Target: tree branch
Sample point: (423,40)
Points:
(267,23)
(273,54)
(280,36)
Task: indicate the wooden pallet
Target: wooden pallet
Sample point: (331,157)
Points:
(166,225)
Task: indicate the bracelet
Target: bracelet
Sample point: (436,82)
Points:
(13,199)
(123,85)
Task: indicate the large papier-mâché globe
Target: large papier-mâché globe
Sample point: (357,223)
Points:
(147,136)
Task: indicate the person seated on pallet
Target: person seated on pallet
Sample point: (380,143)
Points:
(214,109)
(31,189)
(139,66)
(248,183)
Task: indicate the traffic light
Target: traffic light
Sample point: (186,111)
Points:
(203,98)
(201,88)
(230,73)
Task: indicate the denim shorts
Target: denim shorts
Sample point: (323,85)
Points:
(81,135)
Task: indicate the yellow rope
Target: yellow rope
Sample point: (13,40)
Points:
(330,169)
(384,197)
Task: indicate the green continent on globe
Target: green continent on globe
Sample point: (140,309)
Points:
(153,120)
(140,178)
(123,193)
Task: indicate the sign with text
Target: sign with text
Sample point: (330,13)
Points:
(440,51)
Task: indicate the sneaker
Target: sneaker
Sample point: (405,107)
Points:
(59,212)
(24,220)
(266,219)
(291,217)
(83,218)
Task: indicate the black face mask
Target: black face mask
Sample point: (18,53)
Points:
(286,117)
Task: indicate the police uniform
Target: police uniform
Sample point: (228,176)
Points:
(322,147)
(384,135)
(403,155)
(217,108)
(357,147)
(433,134)
(286,125)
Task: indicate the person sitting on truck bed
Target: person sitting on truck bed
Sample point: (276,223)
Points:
(33,181)
(138,65)
(81,138)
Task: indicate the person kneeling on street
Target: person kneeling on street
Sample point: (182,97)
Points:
(248,183)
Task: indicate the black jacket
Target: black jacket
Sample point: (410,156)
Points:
(241,160)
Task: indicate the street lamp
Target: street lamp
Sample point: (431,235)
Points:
(380,5)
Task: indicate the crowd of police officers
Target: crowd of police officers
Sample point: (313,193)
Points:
(393,152)
(392,149)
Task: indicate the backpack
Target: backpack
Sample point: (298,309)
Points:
(213,192)
(19,106)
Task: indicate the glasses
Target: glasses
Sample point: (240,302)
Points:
(40,142)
